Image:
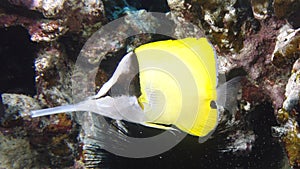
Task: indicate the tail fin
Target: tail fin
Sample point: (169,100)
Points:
(227,93)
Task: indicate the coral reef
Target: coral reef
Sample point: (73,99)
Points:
(256,38)
(287,10)
(17,150)
(288,117)
(48,20)
(34,143)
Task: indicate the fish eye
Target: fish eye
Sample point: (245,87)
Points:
(213,104)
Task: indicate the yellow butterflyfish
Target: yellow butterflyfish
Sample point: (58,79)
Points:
(178,86)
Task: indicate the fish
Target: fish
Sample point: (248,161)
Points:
(178,86)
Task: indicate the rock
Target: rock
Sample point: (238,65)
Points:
(36,142)
(287,46)
(261,8)
(288,10)
(259,38)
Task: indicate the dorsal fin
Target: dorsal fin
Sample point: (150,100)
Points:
(126,71)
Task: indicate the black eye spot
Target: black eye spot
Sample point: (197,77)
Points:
(213,104)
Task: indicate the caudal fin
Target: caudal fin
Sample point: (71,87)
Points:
(227,94)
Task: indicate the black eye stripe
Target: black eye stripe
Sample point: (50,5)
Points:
(213,104)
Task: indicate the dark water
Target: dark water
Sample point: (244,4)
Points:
(266,152)
(17,55)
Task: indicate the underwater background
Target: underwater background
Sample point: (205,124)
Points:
(40,41)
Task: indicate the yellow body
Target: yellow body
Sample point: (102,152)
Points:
(178,83)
